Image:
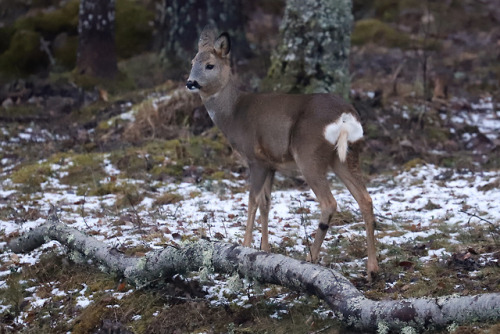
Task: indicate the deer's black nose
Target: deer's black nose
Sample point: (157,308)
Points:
(192,85)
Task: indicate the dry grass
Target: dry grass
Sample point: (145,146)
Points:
(165,119)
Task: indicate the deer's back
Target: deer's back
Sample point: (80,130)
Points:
(266,127)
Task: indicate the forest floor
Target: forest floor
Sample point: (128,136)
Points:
(143,169)
(438,230)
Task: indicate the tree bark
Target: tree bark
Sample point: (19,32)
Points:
(182,22)
(313,55)
(346,301)
(96,41)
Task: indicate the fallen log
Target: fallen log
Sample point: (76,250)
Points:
(347,302)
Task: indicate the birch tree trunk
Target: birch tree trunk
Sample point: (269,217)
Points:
(313,55)
(346,301)
(96,41)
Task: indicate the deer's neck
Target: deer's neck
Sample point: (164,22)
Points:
(221,105)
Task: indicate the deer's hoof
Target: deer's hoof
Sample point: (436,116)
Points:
(247,243)
(372,271)
(312,259)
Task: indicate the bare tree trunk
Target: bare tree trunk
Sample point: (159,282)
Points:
(347,302)
(96,41)
(313,55)
(182,22)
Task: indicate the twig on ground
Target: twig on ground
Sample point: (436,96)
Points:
(473,215)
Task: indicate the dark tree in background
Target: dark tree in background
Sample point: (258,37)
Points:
(96,44)
(313,54)
(181,22)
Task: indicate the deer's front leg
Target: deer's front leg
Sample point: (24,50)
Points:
(264,202)
(252,209)
(259,176)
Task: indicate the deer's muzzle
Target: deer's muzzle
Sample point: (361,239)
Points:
(193,85)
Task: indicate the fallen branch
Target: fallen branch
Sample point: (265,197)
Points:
(348,303)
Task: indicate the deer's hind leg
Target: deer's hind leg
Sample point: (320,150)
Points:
(314,170)
(350,174)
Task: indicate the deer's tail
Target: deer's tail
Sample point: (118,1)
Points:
(342,145)
(340,133)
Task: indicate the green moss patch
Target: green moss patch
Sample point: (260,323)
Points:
(52,272)
(146,69)
(65,51)
(133,28)
(21,55)
(413,163)
(376,31)
(20,43)
(24,55)
(5,37)
(120,83)
(84,169)
(16,112)
(31,176)
(168,159)
(50,23)
(129,199)
(168,198)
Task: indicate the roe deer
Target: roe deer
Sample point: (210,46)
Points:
(309,133)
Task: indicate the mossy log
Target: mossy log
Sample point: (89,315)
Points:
(348,303)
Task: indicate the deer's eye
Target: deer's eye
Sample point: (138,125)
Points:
(209,67)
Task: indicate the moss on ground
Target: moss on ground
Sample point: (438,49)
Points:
(51,272)
(65,52)
(83,170)
(167,159)
(167,309)
(20,53)
(168,198)
(24,55)
(134,30)
(164,309)
(30,177)
(89,113)
(17,112)
(50,23)
(148,69)
(376,31)
(381,33)
(119,84)
(13,294)
(129,196)
(6,34)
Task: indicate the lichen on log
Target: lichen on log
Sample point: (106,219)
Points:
(348,303)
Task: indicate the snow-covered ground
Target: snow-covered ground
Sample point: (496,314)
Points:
(408,203)
(411,205)
(419,196)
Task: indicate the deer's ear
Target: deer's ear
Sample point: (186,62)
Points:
(207,37)
(222,45)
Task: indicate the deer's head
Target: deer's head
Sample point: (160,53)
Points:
(211,69)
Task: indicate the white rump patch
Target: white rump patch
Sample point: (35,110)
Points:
(345,122)
(345,129)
